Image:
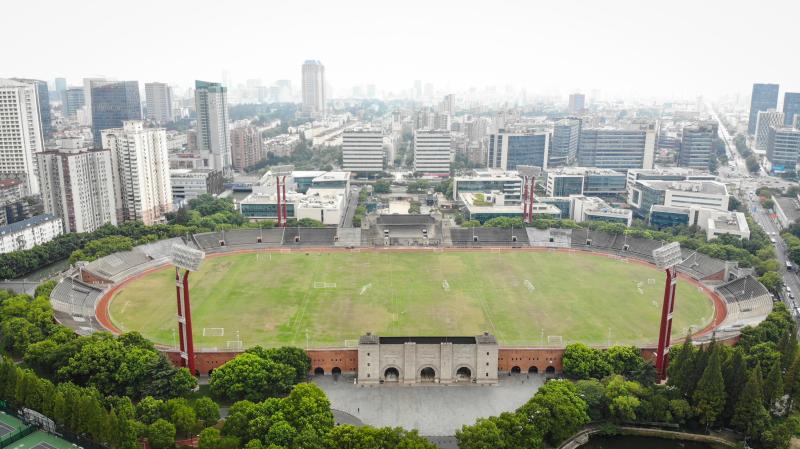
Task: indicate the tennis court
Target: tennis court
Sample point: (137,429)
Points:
(9,425)
(41,440)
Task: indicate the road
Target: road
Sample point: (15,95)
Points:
(352,203)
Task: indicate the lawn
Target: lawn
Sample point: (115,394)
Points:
(522,297)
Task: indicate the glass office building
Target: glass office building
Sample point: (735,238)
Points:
(791,107)
(112,104)
(764,97)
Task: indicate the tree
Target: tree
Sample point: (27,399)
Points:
(623,408)
(735,375)
(681,365)
(709,396)
(582,362)
(773,386)
(206,411)
(772,281)
(567,411)
(288,355)
(592,391)
(624,360)
(382,187)
(161,434)
(249,376)
(508,430)
(750,416)
(184,419)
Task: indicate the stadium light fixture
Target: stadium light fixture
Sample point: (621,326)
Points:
(667,258)
(186,257)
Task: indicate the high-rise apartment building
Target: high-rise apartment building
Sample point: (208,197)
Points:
(362,151)
(78,186)
(617,149)
(764,97)
(72,101)
(213,136)
(697,145)
(577,103)
(21,135)
(764,121)
(140,161)
(113,103)
(791,107)
(448,105)
(432,154)
(43,94)
(783,149)
(313,89)
(564,146)
(159,102)
(247,147)
(507,149)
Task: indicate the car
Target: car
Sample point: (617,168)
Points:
(791,296)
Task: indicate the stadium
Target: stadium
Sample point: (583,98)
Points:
(534,290)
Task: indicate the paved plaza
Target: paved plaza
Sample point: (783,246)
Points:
(434,410)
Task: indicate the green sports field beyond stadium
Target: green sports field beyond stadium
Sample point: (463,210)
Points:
(329,299)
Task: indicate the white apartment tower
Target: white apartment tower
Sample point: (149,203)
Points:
(313,89)
(362,151)
(159,102)
(140,161)
(78,186)
(213,136)
(432,154)
(20,132)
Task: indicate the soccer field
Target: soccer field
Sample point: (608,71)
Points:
(326,298)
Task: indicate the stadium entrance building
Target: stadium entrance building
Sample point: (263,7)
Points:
(420,360)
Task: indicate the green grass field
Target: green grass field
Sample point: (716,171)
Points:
(524,298)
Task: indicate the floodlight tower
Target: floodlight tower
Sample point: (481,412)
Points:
(666,258)
(186,259)
(529,174)
(281,172)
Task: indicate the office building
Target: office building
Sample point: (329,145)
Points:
(111,104)
(488,181)
(714,222)
(213,136)
(708,194)
(577,103)
(697,145)
(159,102)
(43,94)
(764,121)
(448,105)
(564,147)
(13,206)
(617,149)
(791,107)
(566,181)
(87,96)
(783,149)
(362,151)
(432,154)
(508,149)
(73,101)
(140,161)
(763,98)
(61,87)
(28,233)
(21,134)
(313,89)
(590,208)
(78,186)
(667,174)
(483,207)
(188,184)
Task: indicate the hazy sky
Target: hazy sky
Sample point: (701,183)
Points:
(620,47)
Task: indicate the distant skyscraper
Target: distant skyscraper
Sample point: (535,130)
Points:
(507,150)
(113,103)
(791,107)
(783,149)
(564,147)
(428,91)
(313,89)
(246,147)
(213,137)
(764,97)
(159,102)
(577,103)
(73,100)
(765,120)
(448,105)
(44,104)
(617,149)
(362,151)
(140,162)
(21,136)
(417,89)
(78,186)
(697,145)
(432,154)
(61,87)
(87,96)
(370,91)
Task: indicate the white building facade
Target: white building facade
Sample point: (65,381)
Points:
(28,233)
(159,102)
(140,161)
(432,153)
(213,135)
(78,186)
(764,121)
(362,151)
(21,135)
(313,89)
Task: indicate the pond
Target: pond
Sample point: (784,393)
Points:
(635,442)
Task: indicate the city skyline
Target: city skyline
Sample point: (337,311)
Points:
(617,49)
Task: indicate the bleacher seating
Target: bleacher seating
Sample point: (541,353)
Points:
(700,266)
(247,237)
(309,236)
(112,265)
(73,297)
(747,302)
(477,237)
(208,240)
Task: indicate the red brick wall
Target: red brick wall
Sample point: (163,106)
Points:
(327,359)
(91,278)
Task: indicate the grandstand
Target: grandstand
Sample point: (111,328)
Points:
(74,304)
(748,302)
(489,237)
(309,236)
(116,267)
(549,238)
(405,230)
